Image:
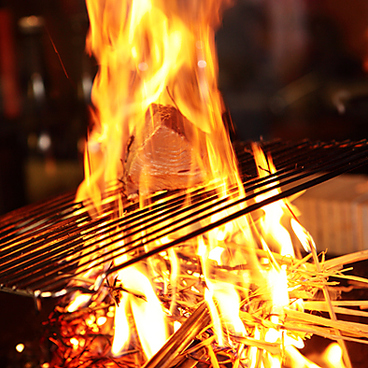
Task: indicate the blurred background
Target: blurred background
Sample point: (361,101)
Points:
(289,69)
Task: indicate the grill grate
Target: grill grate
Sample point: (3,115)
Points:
(44,246)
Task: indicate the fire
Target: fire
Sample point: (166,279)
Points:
(155,57)
(157,85)
(154,53)
(332,356)
(147,313)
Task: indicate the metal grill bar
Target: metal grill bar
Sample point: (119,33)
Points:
(44,246)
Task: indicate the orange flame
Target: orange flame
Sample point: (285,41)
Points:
(157,59)
(154,52)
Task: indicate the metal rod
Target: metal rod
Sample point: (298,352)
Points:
(222,221)
(38,249)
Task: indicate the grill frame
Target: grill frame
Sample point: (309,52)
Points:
(42,245)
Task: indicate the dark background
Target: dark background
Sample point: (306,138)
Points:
(289,69)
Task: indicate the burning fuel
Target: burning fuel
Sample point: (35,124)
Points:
(237,291)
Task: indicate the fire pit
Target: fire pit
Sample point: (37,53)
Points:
(48,248)
(179,249)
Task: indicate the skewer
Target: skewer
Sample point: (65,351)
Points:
(39,252)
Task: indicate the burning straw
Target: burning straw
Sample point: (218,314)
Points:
(84,337)
(236,291)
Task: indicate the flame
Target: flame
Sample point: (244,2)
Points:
(146,310)
(272,229)
(153,56)
(153,52)
(333,356)
(274,236)
(157,61)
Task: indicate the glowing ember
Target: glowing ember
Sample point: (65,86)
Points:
(20,347)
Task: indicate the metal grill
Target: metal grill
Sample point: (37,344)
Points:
(44,246)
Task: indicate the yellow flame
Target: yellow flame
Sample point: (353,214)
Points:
(78,301)
(155,53)
(333,356)
(152,52)
(101,320)
(75,343)
(121,333)
(274,232)
(146,310)
(303,235)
